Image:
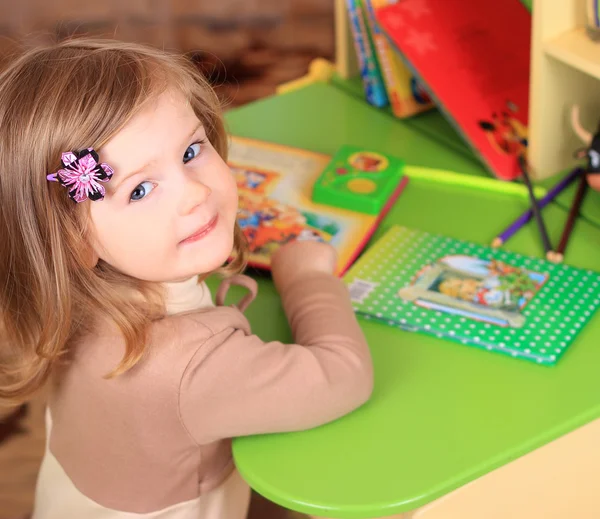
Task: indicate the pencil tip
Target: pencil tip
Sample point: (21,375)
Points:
(496,242)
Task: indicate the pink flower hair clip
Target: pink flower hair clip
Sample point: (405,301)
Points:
(81,174)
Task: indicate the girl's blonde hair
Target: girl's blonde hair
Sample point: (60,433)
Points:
(70,96)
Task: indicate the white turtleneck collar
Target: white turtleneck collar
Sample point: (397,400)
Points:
(186,296)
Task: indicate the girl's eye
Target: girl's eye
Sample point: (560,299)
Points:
(192,152)
(141,191)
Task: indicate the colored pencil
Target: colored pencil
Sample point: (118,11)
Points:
(543,202)
(550,254)
(573,213)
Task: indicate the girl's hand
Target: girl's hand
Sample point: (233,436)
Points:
(298,259)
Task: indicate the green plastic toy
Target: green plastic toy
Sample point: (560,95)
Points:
(359,180)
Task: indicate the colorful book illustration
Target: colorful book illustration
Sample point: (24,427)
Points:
(494,300)
(370,72)
(405,93)
(275,185)
(473,58)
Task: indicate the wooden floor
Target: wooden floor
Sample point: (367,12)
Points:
(247,64)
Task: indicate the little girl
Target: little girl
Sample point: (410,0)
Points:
(115,203)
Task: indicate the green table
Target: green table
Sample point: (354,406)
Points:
(441,414)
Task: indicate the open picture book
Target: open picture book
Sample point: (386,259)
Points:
(276,184)
(491,299)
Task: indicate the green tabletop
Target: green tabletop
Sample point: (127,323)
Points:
(431,122)
(322,118)
(442,414)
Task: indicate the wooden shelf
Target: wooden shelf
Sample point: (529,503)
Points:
(565,71)
(576,49)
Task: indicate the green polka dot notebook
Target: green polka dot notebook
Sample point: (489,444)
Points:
(492,299)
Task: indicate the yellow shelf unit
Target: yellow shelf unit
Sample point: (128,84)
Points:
(575,48)
(565,70)
(346,64)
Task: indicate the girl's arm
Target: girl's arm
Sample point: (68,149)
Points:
(236,384)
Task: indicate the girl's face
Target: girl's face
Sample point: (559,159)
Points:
(170,208)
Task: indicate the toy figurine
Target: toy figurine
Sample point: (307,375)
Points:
(591,150)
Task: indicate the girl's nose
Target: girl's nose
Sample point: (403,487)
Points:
(194,194)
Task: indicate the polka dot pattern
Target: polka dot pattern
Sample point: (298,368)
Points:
(553,317)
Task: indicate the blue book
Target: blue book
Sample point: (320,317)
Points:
(370,73)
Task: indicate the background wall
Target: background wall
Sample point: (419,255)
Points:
(246,46)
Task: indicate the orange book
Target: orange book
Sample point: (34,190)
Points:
(405,93)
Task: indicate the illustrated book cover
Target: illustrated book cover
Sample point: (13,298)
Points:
(492,299)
